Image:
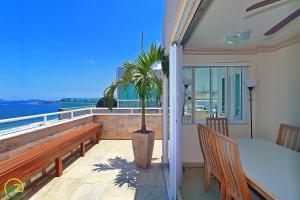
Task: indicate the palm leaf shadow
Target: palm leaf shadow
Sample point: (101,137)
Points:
(128,173)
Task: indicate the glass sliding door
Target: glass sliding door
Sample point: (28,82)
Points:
(173,148)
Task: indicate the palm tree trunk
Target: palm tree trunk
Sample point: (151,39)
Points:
(143,128)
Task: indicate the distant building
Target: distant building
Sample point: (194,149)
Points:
(129,99)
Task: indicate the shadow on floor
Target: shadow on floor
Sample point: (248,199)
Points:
(127,175)
(149,184)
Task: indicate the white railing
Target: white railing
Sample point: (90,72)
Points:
(71,114)
(45,116)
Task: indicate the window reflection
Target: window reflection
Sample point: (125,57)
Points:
(214,92)
(202,94)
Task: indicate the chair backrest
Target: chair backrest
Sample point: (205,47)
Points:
(209,149)
(229,157)
(218,124)
(289,137)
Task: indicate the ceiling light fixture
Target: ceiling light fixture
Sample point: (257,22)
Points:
(237,38)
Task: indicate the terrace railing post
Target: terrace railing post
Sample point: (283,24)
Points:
(45,119)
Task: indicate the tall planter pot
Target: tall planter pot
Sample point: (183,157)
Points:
(143,148)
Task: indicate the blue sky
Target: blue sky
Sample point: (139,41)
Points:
(50,49)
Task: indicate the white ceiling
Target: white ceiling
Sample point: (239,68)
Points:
(224,17)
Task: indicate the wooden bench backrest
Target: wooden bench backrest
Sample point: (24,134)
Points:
(219,125)
(289,137)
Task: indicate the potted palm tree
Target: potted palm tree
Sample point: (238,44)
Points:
(141,75)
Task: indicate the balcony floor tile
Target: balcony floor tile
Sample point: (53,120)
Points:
(107,171)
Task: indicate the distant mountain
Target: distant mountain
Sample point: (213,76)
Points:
(40,101)
(35,100)
(31,101)
(79,100)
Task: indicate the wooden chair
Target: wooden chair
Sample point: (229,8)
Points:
(218,124)
(229,157)
(211,161)
(289,137)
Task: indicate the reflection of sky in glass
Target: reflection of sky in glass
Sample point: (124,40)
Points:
(227,98)
(201,80)
(129,93)
(217,75)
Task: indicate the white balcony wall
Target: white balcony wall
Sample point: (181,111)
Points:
(278,91)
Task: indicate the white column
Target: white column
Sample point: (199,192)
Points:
(179,84)
(175,77)
(165,119)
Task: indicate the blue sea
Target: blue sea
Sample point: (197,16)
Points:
(12,109)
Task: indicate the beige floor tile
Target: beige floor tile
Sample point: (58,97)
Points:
(123,191)
(118,198)
(107,177)
(61,190)
(151,178)
(89,192)
(108,172)
(151,193)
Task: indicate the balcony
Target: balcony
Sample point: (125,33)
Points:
(106,171)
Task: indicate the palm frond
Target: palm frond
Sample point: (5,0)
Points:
(141,75)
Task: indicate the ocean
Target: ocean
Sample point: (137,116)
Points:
(11,109)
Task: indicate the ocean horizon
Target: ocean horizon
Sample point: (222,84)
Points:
(21,108)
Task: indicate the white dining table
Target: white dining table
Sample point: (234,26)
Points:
(272,170)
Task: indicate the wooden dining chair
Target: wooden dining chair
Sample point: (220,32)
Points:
(289,137)
(211,161)
(229,157)
(218,124)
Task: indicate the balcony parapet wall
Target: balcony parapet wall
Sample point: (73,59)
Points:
(115,127)
(120,127)
(28,139)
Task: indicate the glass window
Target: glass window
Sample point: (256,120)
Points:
(237,94)
(215,92)
(218,91)
(187,95)
(202,94)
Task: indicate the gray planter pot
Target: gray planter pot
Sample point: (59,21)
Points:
(143,148)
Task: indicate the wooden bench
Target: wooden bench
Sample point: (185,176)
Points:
(26,164)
